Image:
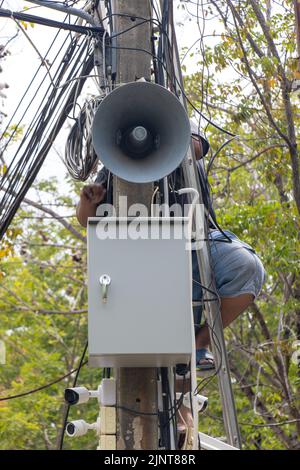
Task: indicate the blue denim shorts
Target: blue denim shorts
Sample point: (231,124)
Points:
(237,269)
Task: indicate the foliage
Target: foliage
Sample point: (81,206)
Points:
(243,83)
(43,308)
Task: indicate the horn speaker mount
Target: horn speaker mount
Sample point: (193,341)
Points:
(141,132)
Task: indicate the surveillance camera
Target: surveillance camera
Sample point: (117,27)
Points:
(80,427)
(77,428)
(76,395)
(202,402)
(106,394)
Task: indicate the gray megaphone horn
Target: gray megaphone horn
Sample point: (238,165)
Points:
(141,132)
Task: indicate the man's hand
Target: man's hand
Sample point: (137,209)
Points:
(92,193)
(91,196)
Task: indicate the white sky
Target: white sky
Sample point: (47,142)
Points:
(19,67)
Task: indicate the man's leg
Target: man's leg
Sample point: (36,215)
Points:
(231,308)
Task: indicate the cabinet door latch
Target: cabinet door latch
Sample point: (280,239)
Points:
(104,282)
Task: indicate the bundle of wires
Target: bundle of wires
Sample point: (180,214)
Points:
(80,156)
(72,65)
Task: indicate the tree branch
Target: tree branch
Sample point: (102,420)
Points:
(257,155)
(285,89)
(56,216)
(264,412)
(254,82)
(254,46)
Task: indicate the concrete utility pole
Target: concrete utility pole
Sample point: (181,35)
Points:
(136,387)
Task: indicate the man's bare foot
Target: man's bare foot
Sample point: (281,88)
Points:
(185,428)
(184,418)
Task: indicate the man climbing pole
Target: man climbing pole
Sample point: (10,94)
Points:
(238,271)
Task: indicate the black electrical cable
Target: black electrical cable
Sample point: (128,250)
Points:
(203,178)
(203,182)
(141,413)
(66,55)
(161,62)
(25,93)
(160,59)
(207,380)
(175,409)
(42,387)
(215,340)
(88,30)
(204,89)
(160,49)
(165,430)
(155,68)
(174,420)
(208,290)
(205,192)
(132,17)
(115,35)
(16,187)
(137,49)
(136,412)
(81,363)
(123,407)
(80,156)
(212,159)
(110,14)
(11,164)
(14,172)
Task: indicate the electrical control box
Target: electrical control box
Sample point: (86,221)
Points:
(139,292)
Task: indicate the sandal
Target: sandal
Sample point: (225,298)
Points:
(204,355)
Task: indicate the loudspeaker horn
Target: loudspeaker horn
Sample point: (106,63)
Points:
(141,132)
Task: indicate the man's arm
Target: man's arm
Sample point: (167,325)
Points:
(90,197)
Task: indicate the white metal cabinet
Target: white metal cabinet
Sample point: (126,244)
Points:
(146,320)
